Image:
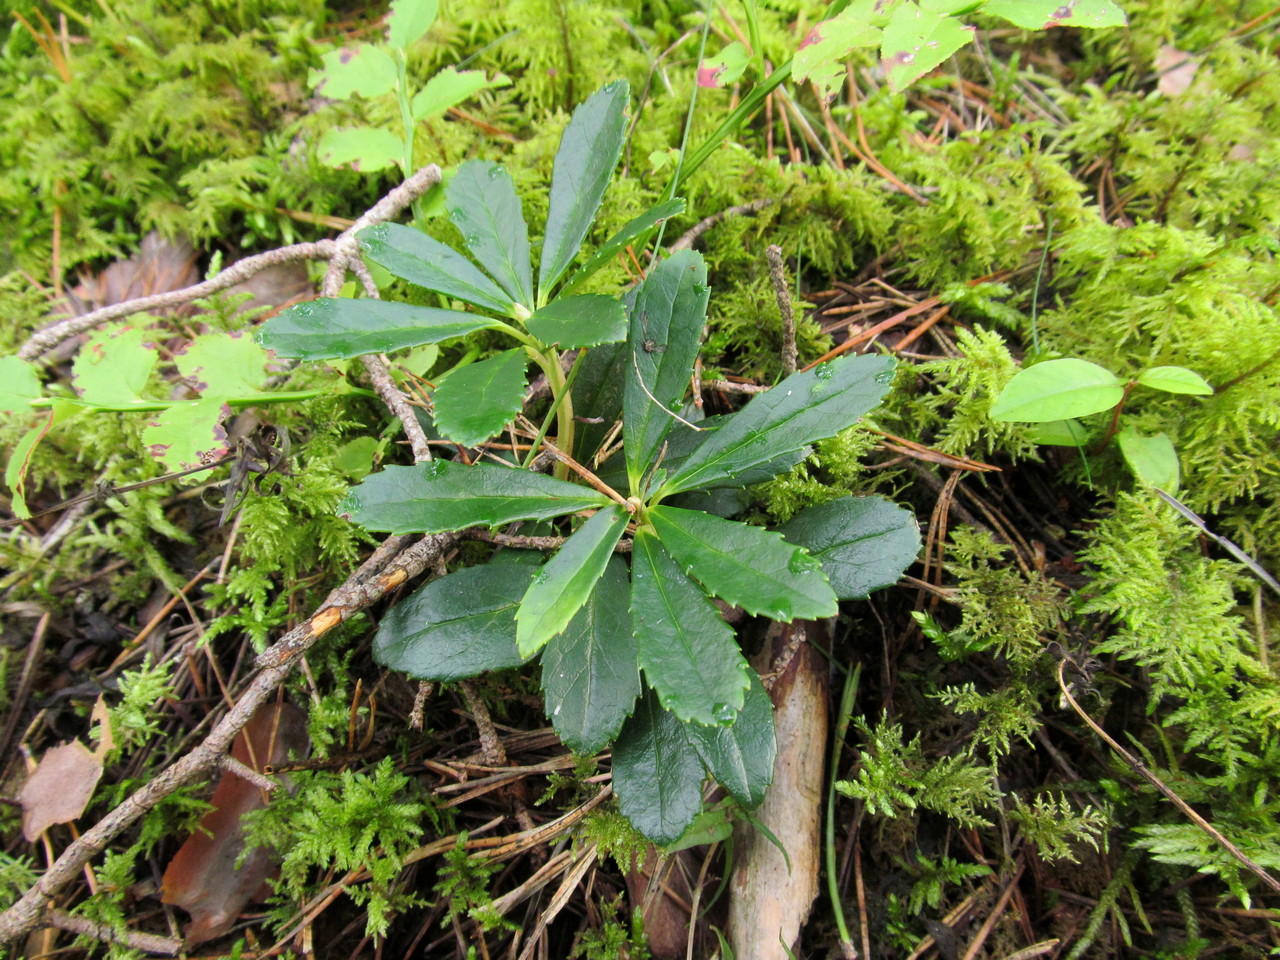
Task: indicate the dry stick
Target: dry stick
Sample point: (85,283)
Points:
(1140,768)
(83,926)
(687,241)
(777,273)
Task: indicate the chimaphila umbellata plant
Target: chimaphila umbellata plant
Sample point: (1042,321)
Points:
(598,622)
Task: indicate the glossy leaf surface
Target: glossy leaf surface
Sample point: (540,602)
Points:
(583,321)
(632,230)
(590,677)
(457,626)
(666,328)
(688,654)
(426,262)
(1175,380)
(863,543)
(801,409)
(564,583)
(597,395)
(657,775)
(330,328)
(747,566)
(741,756)
(1058,390)
(589,150)
(482,203)
(441,495)
(476,401)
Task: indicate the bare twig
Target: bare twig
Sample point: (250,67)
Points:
(702,226)
(84,927)
(246,772)
(777,273)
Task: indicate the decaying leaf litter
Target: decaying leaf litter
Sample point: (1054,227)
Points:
(1029,510)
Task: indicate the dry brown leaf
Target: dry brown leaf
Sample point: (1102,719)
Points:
(203,878)
(62,784)
(1177,70)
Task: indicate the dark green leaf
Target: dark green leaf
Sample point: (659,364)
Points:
(689,655)
(483,204)
(748,566)
(476,401)
(590,676)
(801,409)
(589,150)
(422,260)
(633,230)
(863,543)
(666,328)
(563,585)
(597,394)
(741,757)
(657,775)
(455,627)
(441,495)
(329,328)
(584,321)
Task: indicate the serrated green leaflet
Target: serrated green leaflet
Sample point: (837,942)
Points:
(1175,380)
(688,654)
(563,585)
(441,495)
(475,402)
(366,149)
(916,41)
(366,70)
(331,328)
(631,231)
(18,386)
(657,775)
(666,327)
(583,321)
(113,366)
(590,677)
(456,627)
(223,364)
(741,756)
(1058,390)
(482,203)
(188,434)
(426,262)
(747,566)
(863,543)
(1043,14)
(801,409)
(589,150)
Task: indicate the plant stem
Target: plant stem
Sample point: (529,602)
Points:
(406,121)
(851,679)
(150,406)
(559,396)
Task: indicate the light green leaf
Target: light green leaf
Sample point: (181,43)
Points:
(365,70)
(1153,460)
(670,309)
(419,360)
(409,21)
(474,402)
(633,230)
(657,774)
(590,676)
(450,87)
(915,42)
(365,149)
(440,495)
(426,262)
(1059,433)
(354,459)
(188,434)
(589,150)
(457,626)
(563,585)
(863,543)
(113,365)
(335,327)
(803,408)
(821,57)
(749,567)
(688,654)
(1043,14)
(709,826)
(483,204)
(1058,390)
(741,756)
(19,385)
(223,364)
(725,68)
(583,321)
(1175,380)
